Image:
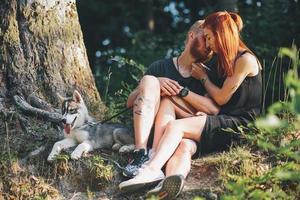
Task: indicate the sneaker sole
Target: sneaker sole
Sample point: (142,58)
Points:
(170,189)
(127,176)
(139,186)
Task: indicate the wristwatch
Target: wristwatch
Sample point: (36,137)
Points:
(183,92)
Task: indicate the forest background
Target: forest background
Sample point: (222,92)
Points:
(142,31)
(42,53)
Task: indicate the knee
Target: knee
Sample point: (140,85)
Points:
(187,146)
(173,126)
(149,82)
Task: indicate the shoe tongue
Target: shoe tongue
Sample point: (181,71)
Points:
(140,152)
(139,157)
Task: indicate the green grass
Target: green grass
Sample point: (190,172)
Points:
(101,170)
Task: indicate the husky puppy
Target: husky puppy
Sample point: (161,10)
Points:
(80,129)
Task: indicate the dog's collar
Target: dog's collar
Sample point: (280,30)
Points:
(86,124)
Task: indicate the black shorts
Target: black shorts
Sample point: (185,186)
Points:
(214,138)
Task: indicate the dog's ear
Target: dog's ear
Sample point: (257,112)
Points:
(61,98)
(77,97)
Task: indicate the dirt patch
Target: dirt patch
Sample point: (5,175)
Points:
(26,174)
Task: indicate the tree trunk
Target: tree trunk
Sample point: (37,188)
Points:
(42,51)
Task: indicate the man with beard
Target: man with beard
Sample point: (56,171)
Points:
(166,77)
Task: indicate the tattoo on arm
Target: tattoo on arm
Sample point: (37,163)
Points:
(234,87)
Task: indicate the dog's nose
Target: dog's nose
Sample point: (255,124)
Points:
(64,120)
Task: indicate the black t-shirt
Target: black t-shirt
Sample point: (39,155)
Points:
(166,68)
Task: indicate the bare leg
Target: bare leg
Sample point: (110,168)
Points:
(168,112)
(180,162)
(144,110)
(175,131)
(165,114)
(190,128)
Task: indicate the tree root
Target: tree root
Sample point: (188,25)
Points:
(36,102)
(27,109)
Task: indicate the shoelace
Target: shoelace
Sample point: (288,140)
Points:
(138,158)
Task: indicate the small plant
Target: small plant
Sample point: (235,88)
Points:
(6,161)
(153,198)
(62,164)
(199,198)
(99,169)
(139,68)
(116,90)
(89,194)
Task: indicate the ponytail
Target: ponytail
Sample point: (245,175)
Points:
(237,19)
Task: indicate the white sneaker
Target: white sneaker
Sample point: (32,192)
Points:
(144,178)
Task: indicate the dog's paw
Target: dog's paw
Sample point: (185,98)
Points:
(126,149)
(51,158)
(116,147)
(75,155)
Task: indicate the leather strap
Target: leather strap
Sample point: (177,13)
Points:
(181,107)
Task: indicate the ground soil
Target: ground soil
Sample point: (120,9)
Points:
(74,180)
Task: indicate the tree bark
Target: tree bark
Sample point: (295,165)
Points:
(29,110)
(42,52)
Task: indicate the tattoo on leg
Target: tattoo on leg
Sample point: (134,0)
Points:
(138,112)
(142,106)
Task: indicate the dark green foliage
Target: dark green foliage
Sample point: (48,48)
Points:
(117,74)
(115,28)
(278,137)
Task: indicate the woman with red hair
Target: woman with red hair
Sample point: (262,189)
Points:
(238,98)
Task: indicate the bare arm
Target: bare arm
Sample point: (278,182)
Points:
(245,65)
(202,103)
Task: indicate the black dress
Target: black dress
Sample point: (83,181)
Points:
(242,108)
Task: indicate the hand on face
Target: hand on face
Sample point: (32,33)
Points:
(169,87)
(198,71)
